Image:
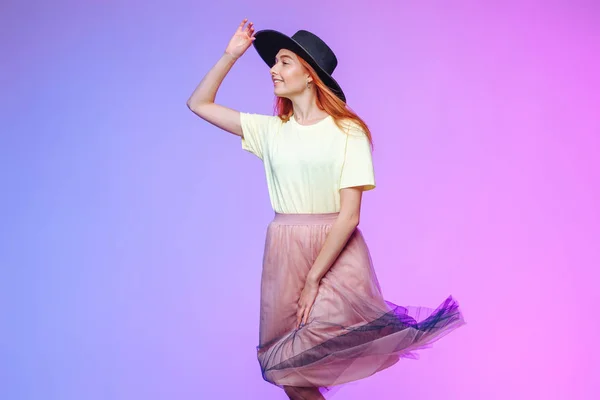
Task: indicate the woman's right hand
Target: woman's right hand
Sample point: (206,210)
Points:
(241,40)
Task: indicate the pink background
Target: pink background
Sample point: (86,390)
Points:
(132,231)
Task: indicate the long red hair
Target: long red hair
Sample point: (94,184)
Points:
(326,101)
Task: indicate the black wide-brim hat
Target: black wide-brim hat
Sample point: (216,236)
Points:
(306,45)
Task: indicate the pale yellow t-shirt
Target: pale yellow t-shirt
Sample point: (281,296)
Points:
(306,166)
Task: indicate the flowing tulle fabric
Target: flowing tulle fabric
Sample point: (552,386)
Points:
(352,332)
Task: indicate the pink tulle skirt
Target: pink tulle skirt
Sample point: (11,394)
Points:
(352,332)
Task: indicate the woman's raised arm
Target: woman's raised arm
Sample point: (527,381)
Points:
(202,100)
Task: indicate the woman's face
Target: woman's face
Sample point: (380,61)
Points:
(289,76)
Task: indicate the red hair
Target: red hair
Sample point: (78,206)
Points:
(327,101)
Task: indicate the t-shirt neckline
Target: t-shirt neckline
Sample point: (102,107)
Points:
(293,118)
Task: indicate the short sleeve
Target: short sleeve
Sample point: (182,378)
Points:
(255,130)
(357,169)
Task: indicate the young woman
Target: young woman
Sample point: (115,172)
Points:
(323,319)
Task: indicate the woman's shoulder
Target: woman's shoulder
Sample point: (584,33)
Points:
(263,120)
(351,127)
(259,116)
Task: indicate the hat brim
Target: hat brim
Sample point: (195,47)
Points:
(268,43)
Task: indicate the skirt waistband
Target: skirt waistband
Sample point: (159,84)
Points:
(305,219)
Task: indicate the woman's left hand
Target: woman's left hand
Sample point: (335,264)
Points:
(307,299)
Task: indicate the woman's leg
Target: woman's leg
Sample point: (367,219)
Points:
(311,393)
(292,393)
(303,393)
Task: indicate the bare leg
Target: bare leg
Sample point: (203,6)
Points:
(292,393)
(311,393)
(303,393)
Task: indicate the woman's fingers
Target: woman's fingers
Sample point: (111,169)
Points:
(248,29)
(306,314)
(299,316)
(302,315)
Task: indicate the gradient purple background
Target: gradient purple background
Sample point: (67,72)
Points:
(132,231)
